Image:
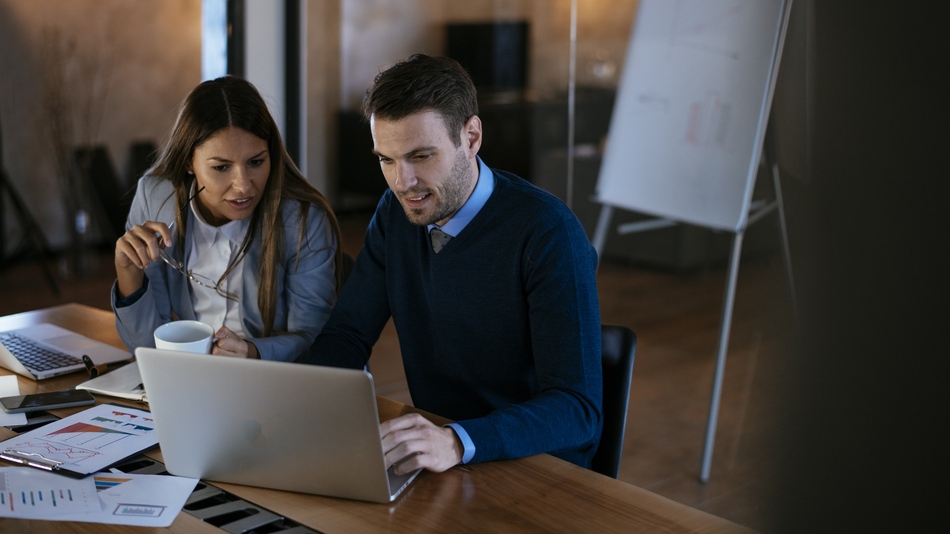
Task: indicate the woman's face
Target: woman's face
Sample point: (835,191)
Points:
(233,166)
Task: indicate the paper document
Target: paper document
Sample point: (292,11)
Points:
(140,500)
(31,494)
(124,382)
(85,442)
(113,498)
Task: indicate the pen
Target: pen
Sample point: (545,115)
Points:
(94,370)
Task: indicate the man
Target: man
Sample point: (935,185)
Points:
(499,327)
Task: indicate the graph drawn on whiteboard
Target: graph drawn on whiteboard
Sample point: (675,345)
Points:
(89,440)
(703,25)
(688,121)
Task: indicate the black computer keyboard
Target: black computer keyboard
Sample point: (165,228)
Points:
(34,356)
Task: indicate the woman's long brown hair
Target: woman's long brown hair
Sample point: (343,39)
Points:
(232,101)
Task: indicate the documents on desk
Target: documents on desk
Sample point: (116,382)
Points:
(31,494)
(113,498)
(124,382)
(85,442)
(81,445)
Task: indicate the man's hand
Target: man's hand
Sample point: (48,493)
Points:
(412,441)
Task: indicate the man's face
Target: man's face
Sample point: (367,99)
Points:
(430,176)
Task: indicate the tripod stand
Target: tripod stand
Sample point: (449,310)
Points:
(32,238)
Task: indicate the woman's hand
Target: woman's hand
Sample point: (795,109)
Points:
(227,343)
(135,250)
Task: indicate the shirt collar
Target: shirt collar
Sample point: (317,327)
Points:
(483,189)
(233,231)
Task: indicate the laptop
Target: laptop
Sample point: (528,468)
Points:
(45,350)
(279,425)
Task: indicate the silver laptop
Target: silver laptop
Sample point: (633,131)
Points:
(45,350)
(279,425)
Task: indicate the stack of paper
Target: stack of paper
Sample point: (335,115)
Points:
(114,498)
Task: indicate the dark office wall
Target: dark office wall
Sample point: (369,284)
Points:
(861,447)
(130,63)
(494,53)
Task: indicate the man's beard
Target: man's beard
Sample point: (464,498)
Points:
(453,195)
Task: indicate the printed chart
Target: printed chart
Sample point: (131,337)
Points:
(29,493)
(87,441)
(109,498)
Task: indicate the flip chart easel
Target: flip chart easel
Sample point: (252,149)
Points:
(688,130)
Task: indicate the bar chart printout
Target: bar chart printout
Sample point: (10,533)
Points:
(33,494)
(85,442)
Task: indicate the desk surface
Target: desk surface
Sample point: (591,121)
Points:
(539,493)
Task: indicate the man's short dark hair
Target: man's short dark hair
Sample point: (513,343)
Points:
(423,83)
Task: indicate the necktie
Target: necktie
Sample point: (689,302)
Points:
(439,239)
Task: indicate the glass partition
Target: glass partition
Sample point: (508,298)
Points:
(546,71)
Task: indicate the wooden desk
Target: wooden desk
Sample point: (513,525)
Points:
(539,493)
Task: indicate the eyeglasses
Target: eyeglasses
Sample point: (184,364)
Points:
(197,278)
(179,266)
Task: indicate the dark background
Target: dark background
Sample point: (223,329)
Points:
(861,446)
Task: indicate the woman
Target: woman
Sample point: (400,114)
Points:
(225,229)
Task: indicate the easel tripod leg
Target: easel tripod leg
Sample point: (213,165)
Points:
(600,234)
(731,283)
(772,162)
(31,230)
(786,249)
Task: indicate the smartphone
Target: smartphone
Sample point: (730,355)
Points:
(47,401)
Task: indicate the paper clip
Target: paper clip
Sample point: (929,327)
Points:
(28,458)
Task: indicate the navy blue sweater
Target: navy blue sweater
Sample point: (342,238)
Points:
(500,331)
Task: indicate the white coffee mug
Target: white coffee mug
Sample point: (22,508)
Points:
(185,336)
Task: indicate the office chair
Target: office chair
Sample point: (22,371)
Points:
(619,347)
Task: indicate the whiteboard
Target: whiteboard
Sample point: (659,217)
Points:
(691,110)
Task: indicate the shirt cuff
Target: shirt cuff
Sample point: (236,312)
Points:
(133,298)
(467,444)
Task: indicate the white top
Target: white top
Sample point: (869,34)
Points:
(213,248)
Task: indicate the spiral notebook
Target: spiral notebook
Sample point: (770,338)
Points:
(124,382)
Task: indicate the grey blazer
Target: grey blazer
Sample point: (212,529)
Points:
(305,286)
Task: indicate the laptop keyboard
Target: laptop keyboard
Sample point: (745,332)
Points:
(34,356)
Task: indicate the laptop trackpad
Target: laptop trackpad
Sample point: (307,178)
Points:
(72,343)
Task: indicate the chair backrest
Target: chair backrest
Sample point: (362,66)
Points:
(619,347)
